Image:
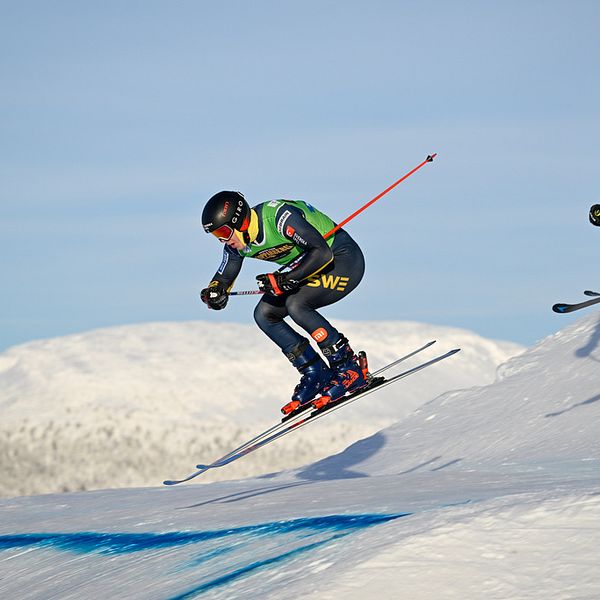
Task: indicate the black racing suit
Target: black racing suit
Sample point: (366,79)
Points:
(323,282)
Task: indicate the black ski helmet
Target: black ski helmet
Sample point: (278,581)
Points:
(595,215)
(225,212)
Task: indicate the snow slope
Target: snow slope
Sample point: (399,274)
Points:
(127,405)
(490,492)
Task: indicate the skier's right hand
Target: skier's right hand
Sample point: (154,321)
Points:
(215,295)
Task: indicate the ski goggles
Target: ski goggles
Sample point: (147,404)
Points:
(223,233)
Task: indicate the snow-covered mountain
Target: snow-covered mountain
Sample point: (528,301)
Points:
(490,492)
(131,405)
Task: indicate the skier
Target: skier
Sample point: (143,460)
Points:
(563,307)
(281,231)
(595,215)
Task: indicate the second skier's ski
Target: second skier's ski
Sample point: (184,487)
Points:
(562,307)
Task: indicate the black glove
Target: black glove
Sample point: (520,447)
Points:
(276,283)
(215,296)
(595,215)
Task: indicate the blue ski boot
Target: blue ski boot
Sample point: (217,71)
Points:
(315,376)
(350,373)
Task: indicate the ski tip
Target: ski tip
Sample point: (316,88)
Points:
(169,482)
(560,308)
(453,351)
(203,467)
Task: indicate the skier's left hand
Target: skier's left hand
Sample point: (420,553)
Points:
(276,283)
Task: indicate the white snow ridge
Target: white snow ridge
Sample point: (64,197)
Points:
(488,492)
(128,405)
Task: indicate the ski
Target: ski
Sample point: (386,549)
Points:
(285,426)
(331,407)
(567,308)
(295,414)
(591,293)
(379,383)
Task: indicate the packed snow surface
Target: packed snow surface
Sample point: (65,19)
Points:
(128,405)
(490,492)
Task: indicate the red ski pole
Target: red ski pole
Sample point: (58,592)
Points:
(370,202)
(429,159)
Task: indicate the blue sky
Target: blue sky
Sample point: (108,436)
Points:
(119,119)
